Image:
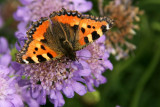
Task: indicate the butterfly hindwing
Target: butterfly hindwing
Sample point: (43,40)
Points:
(37,52)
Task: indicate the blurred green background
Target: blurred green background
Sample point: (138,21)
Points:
(134,82)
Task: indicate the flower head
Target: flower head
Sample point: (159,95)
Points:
(34,10)
(125,16)
(8,95)
(55,77)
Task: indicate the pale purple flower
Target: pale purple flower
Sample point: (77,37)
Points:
(54,78)
(34,9)
(26,96)
(5,57)
(11,94)
(8,94)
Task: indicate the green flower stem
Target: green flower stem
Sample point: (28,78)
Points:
(147,74)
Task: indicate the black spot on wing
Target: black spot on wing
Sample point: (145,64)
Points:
(42,47)
(83,30)
(103,27)
(49,55)
(43,40)
(86,40)
(41,58)
(36,49)
(89,26)
(95,35)
(75,27)
(29,59)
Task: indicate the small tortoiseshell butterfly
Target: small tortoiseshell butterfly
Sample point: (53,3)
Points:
(62,34)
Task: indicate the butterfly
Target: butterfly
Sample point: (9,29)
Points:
(61,34)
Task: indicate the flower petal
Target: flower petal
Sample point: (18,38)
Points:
(5,103)
(84,54)
(82,5)
(53,94)
(25,2)
(3,45)
(17,101)
(5,59)
(84,64)
(42,98)
(68,91)
(90,87)
(108,64)
(35,92)
(32,103)
(85,72)
(58,86)
(79,88)
(60,98)
(101,39)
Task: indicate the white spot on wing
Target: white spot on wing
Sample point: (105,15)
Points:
(107,27)
(89,37)
(45,56)
(26,61)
